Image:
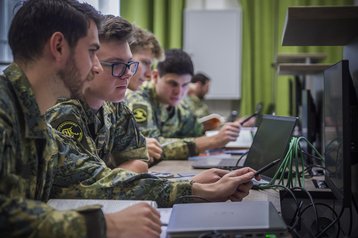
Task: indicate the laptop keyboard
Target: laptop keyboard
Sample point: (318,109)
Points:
(227,163)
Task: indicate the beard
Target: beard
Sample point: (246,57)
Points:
(71,78)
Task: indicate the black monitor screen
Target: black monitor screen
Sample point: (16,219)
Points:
(337,126)
(270,142)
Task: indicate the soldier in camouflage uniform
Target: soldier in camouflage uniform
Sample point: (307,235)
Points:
(36,163)
(198,88)
(106,128)
(145,49)
(159,113)
(41,36)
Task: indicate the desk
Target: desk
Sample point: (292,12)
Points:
(178,166)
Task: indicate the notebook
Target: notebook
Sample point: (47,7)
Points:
(108,206)
(234,219)
(270,143)
(243,141)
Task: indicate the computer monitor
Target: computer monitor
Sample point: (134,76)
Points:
(340,129)
(308,116)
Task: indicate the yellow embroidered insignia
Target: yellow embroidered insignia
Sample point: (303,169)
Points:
(140,115)
(71,129)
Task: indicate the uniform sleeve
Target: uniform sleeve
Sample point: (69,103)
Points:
(83,176)
(182,148)
(22,217)
(178,149)
(67,118)
(144,115)
(128,141)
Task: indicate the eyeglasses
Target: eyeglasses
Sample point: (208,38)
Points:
(119,68)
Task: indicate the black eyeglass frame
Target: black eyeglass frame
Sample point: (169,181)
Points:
(127,66)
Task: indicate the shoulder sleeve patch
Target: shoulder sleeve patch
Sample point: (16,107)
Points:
(71,129)
(140,113)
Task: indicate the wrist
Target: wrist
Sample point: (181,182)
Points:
(201,190)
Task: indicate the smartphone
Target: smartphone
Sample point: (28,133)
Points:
(268,166)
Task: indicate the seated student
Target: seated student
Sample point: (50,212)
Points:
(145,49)
(108,129)
(36,163)
(159,114)
(198,88)
(50,61)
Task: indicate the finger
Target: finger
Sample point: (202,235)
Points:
(238,196)
(243,178)
(154,230)
(221,172)
(245,187)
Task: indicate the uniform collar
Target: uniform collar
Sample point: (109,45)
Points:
(35,124)
(153,94)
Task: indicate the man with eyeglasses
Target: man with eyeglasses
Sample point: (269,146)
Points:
(89,177)
(101,123)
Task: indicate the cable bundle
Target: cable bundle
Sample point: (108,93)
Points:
(291,172)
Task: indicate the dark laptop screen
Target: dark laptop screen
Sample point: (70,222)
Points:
(270,142)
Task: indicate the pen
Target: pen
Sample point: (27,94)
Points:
(247,119)
(167,143)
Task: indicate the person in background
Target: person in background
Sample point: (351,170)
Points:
(54,45)
(146,50)
(160,115)
(198,88)
(106,126)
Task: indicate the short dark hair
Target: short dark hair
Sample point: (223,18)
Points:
(142,40)
(177,62)
(115,28)
(200,77)
(37,20)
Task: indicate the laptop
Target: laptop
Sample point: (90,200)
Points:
(231,219)
(271,142)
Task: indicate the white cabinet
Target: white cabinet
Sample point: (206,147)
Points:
(213,39)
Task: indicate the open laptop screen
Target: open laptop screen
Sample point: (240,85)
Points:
(270,142)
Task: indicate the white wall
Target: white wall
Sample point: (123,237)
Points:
(223,107)
(105,6)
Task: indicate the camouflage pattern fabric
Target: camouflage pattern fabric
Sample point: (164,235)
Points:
(157,121)
(111,132)
(196,105)
(38,163)
(28,160)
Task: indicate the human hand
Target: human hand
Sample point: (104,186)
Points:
(139,220)
(229,132)
(209,176)
(154,149)
(234,185)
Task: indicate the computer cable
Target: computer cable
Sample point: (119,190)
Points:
(240,158)
(336,220)
(289,172)
(312,204)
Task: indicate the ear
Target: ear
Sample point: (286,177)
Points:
(155,76)
(58,47)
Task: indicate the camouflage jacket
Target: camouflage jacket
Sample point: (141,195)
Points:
(196,105)
(111,132)
(37,163)
(29,156)
(156,120)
